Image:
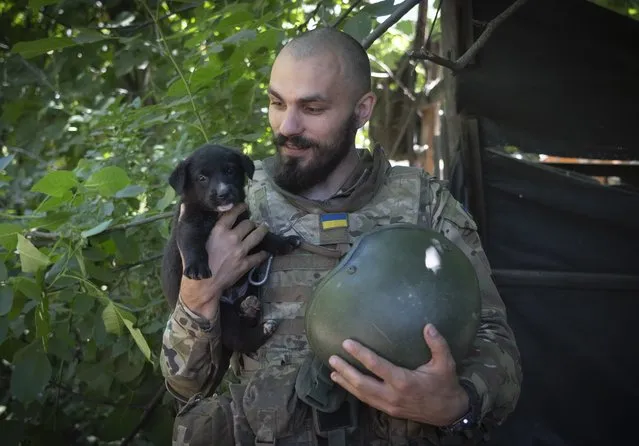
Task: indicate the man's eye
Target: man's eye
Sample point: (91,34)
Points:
(314,109)
(201,178)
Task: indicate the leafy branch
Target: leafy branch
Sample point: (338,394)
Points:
(395,17)
(343,17)
(123,226)
(177,68)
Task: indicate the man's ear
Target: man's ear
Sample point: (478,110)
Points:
(248,165)
(179,177)
(364,108)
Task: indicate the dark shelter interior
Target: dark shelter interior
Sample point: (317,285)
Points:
(561,78)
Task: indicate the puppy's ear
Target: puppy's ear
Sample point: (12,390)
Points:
(179,177)
(248,165)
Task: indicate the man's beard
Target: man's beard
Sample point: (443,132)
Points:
(293,177)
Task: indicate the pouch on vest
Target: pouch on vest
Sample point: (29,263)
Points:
(270,404)
(334,409)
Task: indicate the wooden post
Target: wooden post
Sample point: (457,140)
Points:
(450,49)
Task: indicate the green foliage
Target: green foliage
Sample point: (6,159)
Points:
(99,102)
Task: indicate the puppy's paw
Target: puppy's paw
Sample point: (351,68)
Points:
(197,271)
(251,307)
(292,242)
(269,327)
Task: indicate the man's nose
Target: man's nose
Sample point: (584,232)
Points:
(291,124)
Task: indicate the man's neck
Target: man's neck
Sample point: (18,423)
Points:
(335,180)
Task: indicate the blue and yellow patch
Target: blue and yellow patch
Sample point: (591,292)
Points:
(332,221)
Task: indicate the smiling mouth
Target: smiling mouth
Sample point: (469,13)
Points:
(225,207)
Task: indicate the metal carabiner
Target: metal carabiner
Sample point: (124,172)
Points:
(261,282)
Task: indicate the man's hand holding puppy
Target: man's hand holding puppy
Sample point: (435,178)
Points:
(228,249)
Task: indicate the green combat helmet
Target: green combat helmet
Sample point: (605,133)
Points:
(394,281)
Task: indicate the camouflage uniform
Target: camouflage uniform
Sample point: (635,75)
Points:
(263,408)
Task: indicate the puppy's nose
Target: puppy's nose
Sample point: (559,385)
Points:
(223,191)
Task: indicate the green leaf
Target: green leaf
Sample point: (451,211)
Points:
(154,327)
(166,200)
(111,319)
(6,299)
(8,232)
(4,330)
(138,337)
(127,370)
(130,191)
(52,221)
(56,183)
(36,4)
(49,203)
(42,323)
(41,46)
(80,258)
(31,374)
(96,229)
(5,161)
(241,36)
(82,304)
(31,259)
(384,7)
(88,35)
(127,247)
(108,180)
(359,26)
(28,287)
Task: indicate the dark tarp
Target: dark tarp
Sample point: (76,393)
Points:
(564,250)
(561,77)
(557,77)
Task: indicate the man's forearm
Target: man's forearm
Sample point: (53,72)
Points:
(193,359)
(493,365)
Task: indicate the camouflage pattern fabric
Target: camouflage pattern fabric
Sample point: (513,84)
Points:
(264,408)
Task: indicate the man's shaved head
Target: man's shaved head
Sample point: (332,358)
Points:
(353,57)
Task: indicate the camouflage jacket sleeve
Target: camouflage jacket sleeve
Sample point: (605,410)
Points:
(192,359)
(493,366)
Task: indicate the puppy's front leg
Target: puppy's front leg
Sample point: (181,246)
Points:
(279,245)
(192,241)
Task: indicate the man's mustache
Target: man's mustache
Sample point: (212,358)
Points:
(296,140)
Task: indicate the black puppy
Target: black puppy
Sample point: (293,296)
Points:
(211,181)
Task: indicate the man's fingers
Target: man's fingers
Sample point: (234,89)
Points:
(375,363)
(243,228)
(228,218)
(358,383)
(441,355)
(256,259)
(254,238)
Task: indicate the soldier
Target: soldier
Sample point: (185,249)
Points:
(319,186)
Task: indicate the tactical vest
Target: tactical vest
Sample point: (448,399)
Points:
(292,277)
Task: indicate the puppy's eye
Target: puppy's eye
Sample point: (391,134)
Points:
(229,170)
(201,178)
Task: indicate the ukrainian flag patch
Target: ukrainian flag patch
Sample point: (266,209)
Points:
(332,221)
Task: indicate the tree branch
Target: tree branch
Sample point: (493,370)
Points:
(134,27)
(395,17)
(390,73)
(343,17)
(465,59)
(177,68)
(141,262)
(148,410)
(304,26)
(123,226)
